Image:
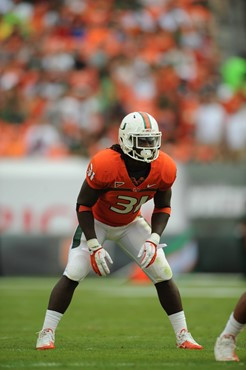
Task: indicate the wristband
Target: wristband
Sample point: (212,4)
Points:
(154,238)
(93,243)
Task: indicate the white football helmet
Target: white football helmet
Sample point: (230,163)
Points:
(139,136)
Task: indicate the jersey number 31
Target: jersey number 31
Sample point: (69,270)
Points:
(131,204)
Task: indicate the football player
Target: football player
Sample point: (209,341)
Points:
(225,346)
(118,182)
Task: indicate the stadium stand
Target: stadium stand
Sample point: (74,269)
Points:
(70,70)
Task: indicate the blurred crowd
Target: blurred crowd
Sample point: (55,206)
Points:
(71,69)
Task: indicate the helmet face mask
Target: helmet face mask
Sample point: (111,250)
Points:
(139,137)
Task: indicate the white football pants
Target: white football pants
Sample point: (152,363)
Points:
(130,238)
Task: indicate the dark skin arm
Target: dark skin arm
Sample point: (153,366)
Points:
(159,220)
(87,197)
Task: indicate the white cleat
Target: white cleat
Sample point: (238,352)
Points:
(185,341)
(224,349)
(46,339)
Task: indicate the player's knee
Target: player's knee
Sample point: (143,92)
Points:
(166,274)
(160,270)
(76,271)
(73,275)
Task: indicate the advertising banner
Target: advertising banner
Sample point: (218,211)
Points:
(38,197)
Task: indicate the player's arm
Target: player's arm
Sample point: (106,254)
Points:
(159,219)
(161,212)
(86,199)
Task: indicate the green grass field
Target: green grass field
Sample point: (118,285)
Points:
(112,324)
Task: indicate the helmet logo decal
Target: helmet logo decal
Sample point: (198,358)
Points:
(146,120)
(124,126)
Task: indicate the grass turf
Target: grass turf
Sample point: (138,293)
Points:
(112,324)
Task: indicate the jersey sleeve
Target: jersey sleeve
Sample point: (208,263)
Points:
(168,173)
(99,172)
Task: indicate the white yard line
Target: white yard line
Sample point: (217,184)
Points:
(139,292)
(146,291)
(190,285)
(84,364)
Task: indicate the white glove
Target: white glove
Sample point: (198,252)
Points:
(148,251)
(99,255)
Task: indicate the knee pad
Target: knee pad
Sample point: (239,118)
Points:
(160,270)
(78,264)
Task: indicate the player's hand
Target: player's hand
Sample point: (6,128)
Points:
(148,253)
(99,259)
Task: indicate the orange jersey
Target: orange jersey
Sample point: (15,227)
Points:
(121,201)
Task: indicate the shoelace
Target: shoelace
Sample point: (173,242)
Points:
(185,335)
(43,333)
(229,344)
